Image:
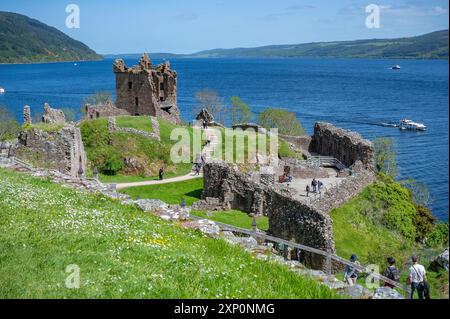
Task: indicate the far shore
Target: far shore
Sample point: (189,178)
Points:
(51,62)
(188,57)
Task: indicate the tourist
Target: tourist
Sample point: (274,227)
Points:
(418,279)
(183,203)
(288,178)
(203,160)
(314,185)
(319,185)
(307,190)
(161,173)
(351,273)
(391,272)
(198,167)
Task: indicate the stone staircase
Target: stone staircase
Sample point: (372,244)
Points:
(208,151)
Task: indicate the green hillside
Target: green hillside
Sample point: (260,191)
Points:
(26,40)
(121,252)
(429,46)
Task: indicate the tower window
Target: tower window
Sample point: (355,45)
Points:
(136,101)
(161,86)
(130,85)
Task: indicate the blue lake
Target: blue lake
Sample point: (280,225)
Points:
(355,94)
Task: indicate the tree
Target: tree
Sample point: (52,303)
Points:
(9,127)
(210,100)
(97,98)
(69,114)
(386,156)
(240,111)
(286,122)
(424,221)
(420,193)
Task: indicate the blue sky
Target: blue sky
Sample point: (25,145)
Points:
(185,26)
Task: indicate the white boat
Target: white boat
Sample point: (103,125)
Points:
(396,67)
(406,124)
(2,90)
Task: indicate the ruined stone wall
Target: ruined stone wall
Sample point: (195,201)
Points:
(143,90)
(53,116)
(348,147)
(288,218)
(103,110)
(62,150)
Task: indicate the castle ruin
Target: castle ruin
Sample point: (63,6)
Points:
(144,90)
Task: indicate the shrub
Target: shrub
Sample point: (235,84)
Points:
(424,221)
(95,133)
(286,122)
(108,160)
(438,236)
(399,209)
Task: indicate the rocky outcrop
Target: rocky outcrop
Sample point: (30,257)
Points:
(204,115)
(53,116)
(62,149)
(144,90)
(440,262)
(348,147)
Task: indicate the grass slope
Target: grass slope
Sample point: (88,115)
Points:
(150,155)
(377,224)
(26,40)
(121,251)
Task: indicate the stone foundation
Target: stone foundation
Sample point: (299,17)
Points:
(62,150)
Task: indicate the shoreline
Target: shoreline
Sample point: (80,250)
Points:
(187,57)
(51,62)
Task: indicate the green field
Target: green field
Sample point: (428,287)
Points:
(142,123)
(121,252)
(235,218)
(171,193)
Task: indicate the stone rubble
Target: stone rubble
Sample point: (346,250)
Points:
(387,293)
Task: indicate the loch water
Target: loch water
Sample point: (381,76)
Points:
(356,94)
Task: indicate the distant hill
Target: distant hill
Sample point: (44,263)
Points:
(429,46)
(136,56)
(26,40)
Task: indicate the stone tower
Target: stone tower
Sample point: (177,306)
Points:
(144,90)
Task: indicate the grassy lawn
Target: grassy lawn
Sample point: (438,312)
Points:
(121,252)
(142,123)
(182,169)
(235,218)
(171,193)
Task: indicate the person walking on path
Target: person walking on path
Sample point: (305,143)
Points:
(314,185)
(319,186)
(351,273)
(161,173)
(391,272)
(198,167)
(418,279)
(307,190)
